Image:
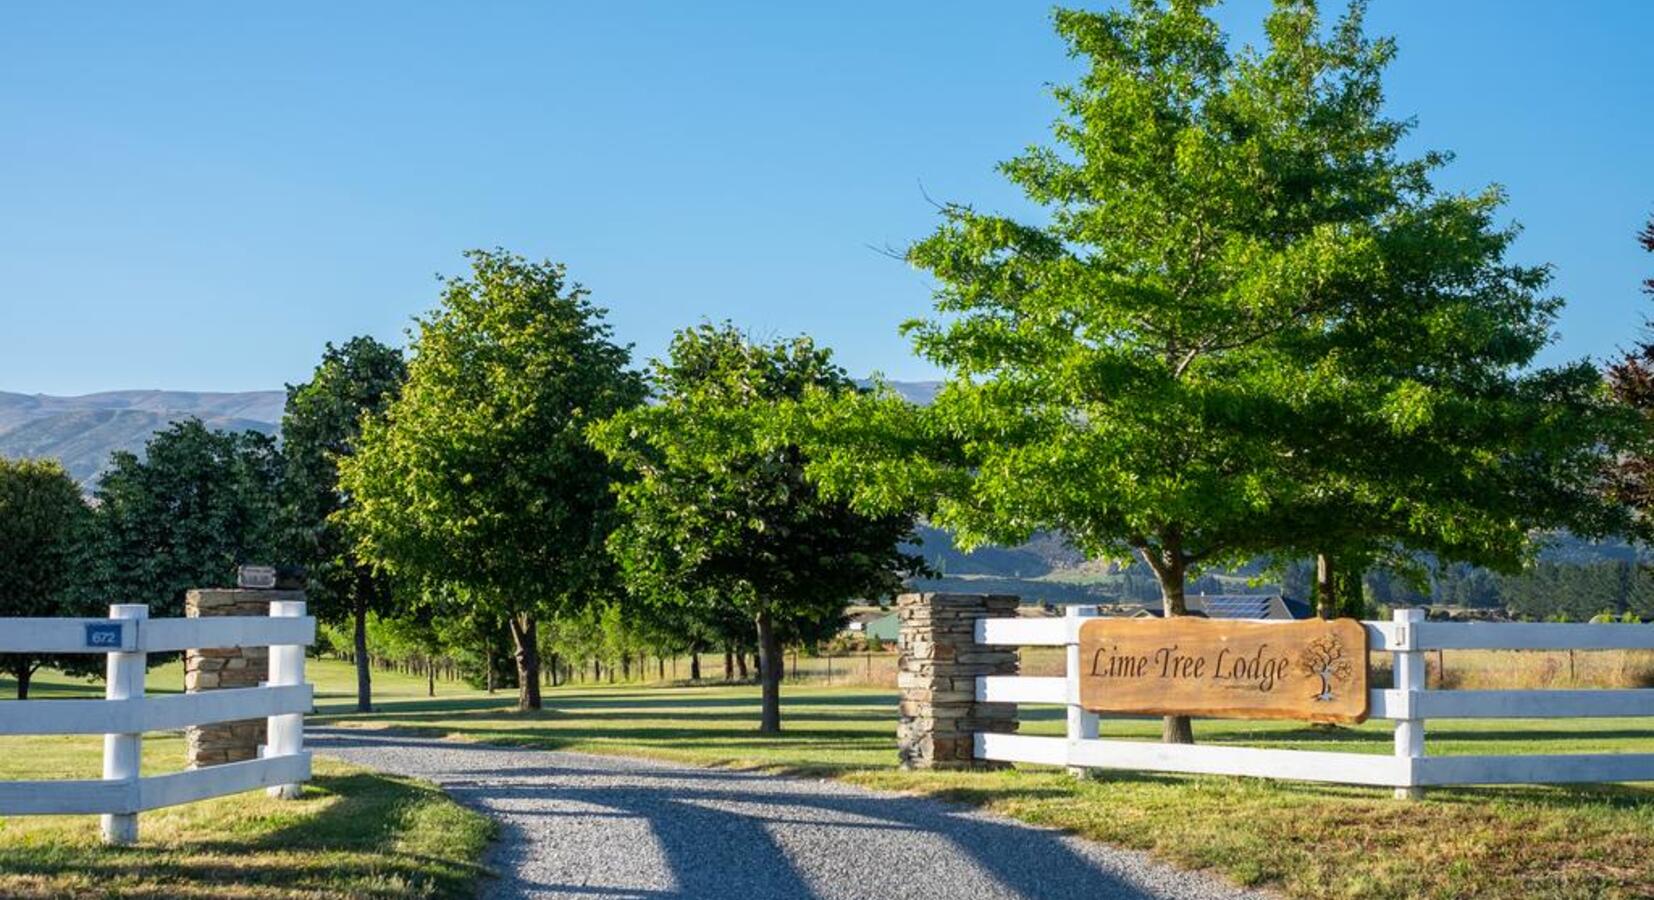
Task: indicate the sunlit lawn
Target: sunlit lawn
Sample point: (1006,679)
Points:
(1306,840)
(353,833)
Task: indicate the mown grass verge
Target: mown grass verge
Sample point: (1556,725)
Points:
(1304,840)
(353,833)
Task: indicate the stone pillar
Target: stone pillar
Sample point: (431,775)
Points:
(940,661)
(217,668)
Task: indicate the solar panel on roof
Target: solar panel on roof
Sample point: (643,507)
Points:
(1248,606)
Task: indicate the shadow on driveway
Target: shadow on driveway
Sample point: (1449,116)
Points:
(577,825)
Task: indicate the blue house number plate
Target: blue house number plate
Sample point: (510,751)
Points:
(104,636)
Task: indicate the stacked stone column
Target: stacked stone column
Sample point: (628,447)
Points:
(940,662)
(210,669)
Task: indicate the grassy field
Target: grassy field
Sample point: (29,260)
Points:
(1305,840)
(353,833)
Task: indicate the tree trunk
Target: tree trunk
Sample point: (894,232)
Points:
(729,665)
(1326,588)
(625,667)
(1170,569)
(769,675)
(660,667)
(22,672)
(524,631)
(430,678)
(364,666)
(553,670)
(488,661)
(741,665)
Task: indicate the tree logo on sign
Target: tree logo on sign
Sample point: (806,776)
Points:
(1324,658)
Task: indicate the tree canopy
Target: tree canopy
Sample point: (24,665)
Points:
(1245,325)
(196,505)
(1630,475)
(321,425)
(479,473)
(43,524)
(714,513)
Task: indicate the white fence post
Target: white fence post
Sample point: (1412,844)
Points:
(1408,667)
(1082,723)
(284,734)
(122,753)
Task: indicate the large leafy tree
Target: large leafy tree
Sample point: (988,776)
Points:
(717,514)
(43,521)
(1236,331)
(1431,433)
(1631,476)
(478,475)
(197,504)
(321,426)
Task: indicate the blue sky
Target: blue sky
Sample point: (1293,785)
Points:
(198,195)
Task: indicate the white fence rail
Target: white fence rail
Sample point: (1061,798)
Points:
(1410,703)
(127,637)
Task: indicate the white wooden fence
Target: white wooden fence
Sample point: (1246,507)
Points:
(1409,704)
(127,636)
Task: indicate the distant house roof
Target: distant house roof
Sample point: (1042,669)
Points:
(862,618)
(883,625)
(1241,606)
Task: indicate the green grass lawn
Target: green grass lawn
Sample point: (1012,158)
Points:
(353,833)
(1305,840)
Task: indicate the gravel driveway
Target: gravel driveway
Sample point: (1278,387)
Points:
(576,825)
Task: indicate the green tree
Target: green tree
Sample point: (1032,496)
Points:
(1182,360)
(478,475)
(1631,474)
(198,503)
(43,522)
(1433,431)
(321,426)
(715,513)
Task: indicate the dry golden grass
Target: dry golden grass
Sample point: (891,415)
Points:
(1477,669)
(1540,669)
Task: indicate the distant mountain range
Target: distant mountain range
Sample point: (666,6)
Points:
(82,431)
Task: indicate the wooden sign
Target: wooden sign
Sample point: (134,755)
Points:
(1187,665)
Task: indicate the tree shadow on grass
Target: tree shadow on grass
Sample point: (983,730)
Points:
(346,847)
(642,699)
(668,736)
(557,716)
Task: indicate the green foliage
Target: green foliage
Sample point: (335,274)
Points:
(321,426)
(478,475)
(198,504)
(1247,327)
(1630,476)
(716,514)
(43,529)
(42,520)
(1580,592)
